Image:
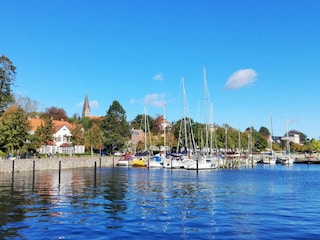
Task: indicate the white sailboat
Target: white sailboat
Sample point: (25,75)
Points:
(204,159)
(287,159)
(180,158)
(270,158)
(153,161)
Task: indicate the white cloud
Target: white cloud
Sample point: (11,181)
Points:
(154,100)
(132,100)
(241,78)
(94,104)
(158,77)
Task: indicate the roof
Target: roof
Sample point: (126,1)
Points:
(37,122)
(59,124)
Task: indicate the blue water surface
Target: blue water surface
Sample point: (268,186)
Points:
(264,202)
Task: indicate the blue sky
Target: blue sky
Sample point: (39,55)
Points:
(262,58)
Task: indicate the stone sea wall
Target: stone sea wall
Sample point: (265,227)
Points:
(36,164)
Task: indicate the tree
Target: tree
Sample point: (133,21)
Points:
(28,105)
(14,127)
(45,132)
(7,79)
(55,113)
(115,127)
(94,138)
(139,122)
(77,135)
(259,142)
(184,130)
(86,122)
(264,131)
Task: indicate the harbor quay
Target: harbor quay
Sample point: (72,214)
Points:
(69,162)
(37,164)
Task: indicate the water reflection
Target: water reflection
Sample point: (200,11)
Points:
(159,203)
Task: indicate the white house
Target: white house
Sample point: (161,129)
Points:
(61,137)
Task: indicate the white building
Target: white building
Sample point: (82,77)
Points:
(61,137)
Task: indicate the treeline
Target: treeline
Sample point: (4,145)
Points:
(113,131)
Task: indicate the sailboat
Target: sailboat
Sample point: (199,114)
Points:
(157,160)
(287,159)
(204,159)
(270,158)
(179,158)
(140,161)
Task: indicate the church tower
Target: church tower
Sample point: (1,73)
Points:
(86,107)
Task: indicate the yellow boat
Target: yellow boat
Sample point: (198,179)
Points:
(138,163)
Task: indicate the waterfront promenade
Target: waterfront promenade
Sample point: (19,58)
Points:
(35,164)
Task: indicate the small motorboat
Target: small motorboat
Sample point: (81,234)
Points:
(138,162)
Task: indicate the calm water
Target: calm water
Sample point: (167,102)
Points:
(265,202)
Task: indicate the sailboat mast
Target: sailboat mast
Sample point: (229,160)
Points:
(164,128)
(212,129)
(145,129)
(288,145)
(185,107)
(205,105)
(271,138)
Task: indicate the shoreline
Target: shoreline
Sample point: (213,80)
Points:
(38,164)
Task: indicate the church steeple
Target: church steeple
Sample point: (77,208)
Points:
(86,107)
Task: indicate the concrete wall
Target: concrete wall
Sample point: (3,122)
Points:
(36,164)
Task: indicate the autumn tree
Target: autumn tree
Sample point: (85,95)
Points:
(55,113)
(115,127)
(94,138)
(77,135)
(7,79)
(14,127)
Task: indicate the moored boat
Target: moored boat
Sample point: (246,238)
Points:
(124,160)
(287,160)
(202,163)
(155,161)
(138,162)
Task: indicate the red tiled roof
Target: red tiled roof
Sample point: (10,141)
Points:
(37,122)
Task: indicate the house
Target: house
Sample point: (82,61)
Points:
(61,137)
(137,135)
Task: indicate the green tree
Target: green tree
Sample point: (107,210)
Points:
(115,127)
(184,131)
(7,79)
(264,132)
(45,132)
(259,142)
(220,137)
(86,122)
(14,127)
(145,123)
(94,138)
